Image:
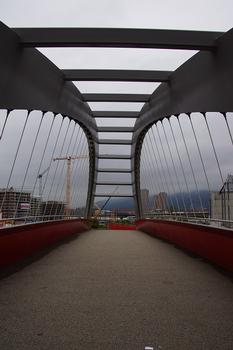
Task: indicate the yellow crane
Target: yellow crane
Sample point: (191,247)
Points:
(68,179)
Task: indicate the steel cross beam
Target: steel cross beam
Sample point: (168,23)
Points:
(117,37)
(115,114)
(116,97)
(116,75)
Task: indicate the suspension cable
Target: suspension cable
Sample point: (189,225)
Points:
(199,151)
(191,166)
(56,168)
(162,187)
(78,150)
(49,167)
(154,184)
(83,167)
(228,126)
(29,163)
(78,165)
(72,154)
(214,149)
(182,168)
(167,166)
(147,182)
(163,171)
(175,170)
(15,158)
(163,181)
(39,168)
(61,174)
(5,122)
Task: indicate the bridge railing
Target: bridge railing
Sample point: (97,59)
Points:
(9,222)
(191,219)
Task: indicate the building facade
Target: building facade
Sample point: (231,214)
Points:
(17,204)
(161,201)
(222,201)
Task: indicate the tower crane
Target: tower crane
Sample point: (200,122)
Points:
(68,179)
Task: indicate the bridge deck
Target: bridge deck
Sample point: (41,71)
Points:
(116,290)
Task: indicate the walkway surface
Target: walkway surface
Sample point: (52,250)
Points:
(116,290)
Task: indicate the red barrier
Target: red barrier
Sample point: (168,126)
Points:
(121,227)
(20,242)
(214,244)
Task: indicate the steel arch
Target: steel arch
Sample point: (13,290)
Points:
(203,83)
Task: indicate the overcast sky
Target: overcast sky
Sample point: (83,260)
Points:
(179,14)
(211,15)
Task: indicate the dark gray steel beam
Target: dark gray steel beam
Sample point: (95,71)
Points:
(109,170)
(117,37)
(135,175)
(114,156)
(115,129)
(93,165)
(112,195)
(114,183)
(116,75)
(114,142)
(116,97)
(115,114)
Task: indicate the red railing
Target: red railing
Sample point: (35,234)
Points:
(214,244)
(19,242)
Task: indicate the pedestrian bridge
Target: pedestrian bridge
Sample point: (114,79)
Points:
(116,290)
(64,161)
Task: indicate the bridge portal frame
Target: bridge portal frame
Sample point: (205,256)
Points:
(203,83)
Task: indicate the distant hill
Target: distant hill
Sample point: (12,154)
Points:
(118,203)
(178,201)
(186,200)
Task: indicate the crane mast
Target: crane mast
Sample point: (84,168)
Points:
(68,180)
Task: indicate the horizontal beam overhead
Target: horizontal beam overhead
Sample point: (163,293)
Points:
(117,37)
(114,156)
(110,170)
(112,195)
(116,75)
(115,114)
(113,183)
(116,97)
(115,129)
(114,142)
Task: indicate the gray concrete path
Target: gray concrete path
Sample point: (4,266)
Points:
(116,290)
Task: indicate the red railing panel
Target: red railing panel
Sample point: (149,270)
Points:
(214,244)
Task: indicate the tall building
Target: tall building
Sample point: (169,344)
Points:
(222,201)
(161,201)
